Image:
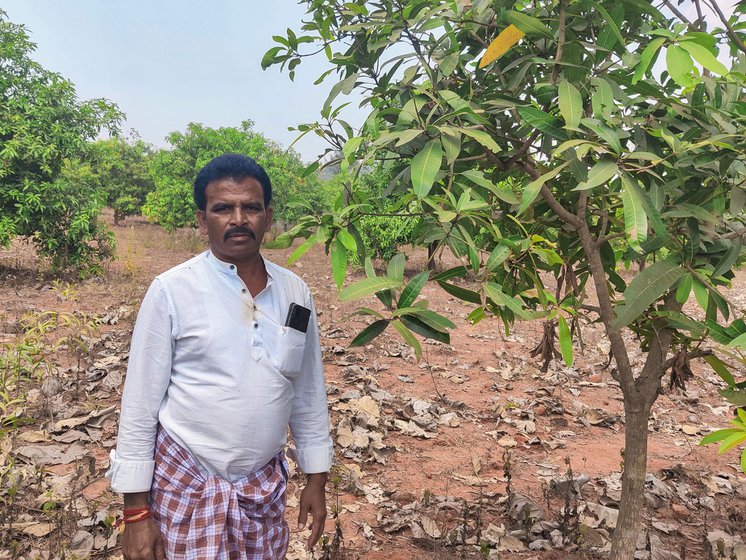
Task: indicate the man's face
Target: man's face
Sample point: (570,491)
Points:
(235,219)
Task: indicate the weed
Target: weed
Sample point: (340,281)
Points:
(332,549)
(570,520)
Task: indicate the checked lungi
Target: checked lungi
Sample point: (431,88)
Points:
(206,517)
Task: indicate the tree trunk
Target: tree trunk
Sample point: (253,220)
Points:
(628,526)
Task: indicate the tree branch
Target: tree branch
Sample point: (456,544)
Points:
(680,15)
(731,32)
(560,42)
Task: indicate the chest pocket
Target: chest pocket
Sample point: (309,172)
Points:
(287,354)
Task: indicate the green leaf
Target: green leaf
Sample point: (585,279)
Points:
(500,191)
(570,104)
(413,289)
(734,396)
(679,65)
(367,311)
(339,263)
(684,289)
(611,24)
(482,137)
(302,249)
(395,268)
(718,435)
(351,146)
(425,166)
(347,239)
(408,337)
(455,272)
(368,286)
(498,256)
(370,332)
(599,174)
(529,25)
(408,135)
(345,86)
(738,341)
(531,191)
(721,369)
(731,441)
(605,133)
(646,58)
(729,258)
(542,121)
(269,57)
(451,140)
(565,340)
(461,293)
(635,219)
(433,319)
(703,55)
(686,210)
(701,293)
(493,291)
(652,213)
(423,329)
(646,288)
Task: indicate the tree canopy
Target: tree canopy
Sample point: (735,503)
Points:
(44,129)
(173,171)
(548,139)
(121,169)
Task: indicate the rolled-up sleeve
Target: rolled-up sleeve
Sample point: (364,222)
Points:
(309,420)
(148,376)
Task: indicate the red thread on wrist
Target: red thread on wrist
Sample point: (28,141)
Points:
(139,517)
(134,515)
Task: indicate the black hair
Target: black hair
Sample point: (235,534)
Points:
(230,166)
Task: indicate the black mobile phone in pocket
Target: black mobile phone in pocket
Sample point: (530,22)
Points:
(298,317)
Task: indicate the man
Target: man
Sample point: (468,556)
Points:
(215,377)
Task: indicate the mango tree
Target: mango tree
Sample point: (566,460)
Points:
(46,194)
(551,138)
(173,171)
(121,168)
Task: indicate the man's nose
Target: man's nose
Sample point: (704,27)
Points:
(238,216)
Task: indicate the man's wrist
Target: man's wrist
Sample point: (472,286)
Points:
(317,479)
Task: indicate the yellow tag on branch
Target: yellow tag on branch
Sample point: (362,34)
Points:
(502,43)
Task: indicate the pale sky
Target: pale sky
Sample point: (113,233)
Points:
(170,62)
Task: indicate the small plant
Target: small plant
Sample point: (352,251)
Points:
(331,549)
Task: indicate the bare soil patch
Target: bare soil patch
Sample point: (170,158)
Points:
(473,452)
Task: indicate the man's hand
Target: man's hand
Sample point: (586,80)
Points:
(313,500)
(142,541)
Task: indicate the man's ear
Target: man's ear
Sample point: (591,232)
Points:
(270,218)
(202,222)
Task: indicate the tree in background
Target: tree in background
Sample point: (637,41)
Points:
(173,172)
(44,130)
(592,133)
(121,168)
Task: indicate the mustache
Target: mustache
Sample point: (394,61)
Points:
(240,230)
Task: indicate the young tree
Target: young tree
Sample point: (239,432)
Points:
(592,132)
(173,171)
(121,168)
(44,129)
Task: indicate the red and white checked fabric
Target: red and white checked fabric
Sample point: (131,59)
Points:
(206,517)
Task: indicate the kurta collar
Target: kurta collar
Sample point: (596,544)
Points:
(230,269)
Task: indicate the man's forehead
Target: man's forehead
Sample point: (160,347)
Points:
(230,186)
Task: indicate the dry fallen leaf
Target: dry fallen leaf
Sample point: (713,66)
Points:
(507,441)
(690,430)
(35,529)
